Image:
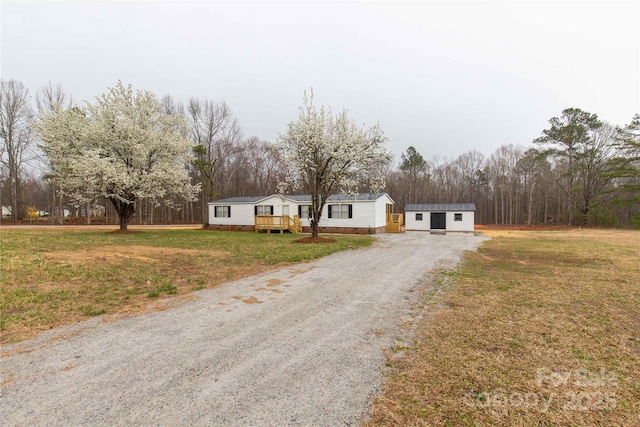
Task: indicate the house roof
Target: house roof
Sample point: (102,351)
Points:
(251,199)
(440,207)
(303,198)
(340,197)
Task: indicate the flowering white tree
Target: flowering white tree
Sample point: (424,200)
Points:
(123,148)
(326,154)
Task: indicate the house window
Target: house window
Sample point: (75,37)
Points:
(418,217)
(222,212)
(264,210)
(457,217)
(340,211)
(304,211)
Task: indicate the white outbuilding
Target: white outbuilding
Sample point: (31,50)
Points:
(440,217)
(360,213)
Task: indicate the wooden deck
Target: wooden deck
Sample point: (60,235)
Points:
(394,222)
(279,223)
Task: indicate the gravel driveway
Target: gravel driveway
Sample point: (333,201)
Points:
(303,345)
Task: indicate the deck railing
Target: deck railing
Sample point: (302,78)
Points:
(394,222)
(279,223)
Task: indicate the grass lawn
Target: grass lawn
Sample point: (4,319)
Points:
(52,277)
(535,329)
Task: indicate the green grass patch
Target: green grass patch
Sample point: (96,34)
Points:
(51,277)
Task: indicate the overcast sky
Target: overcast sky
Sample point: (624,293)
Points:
(443,76)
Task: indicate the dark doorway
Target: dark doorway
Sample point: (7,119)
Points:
(438,221)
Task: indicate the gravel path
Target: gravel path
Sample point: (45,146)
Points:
(303,345)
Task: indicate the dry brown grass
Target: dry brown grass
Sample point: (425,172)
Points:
(536,329)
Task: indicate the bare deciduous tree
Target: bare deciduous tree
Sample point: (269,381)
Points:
(591,162)
(216,135)
(16,119)
(262,167)
(625,167)
(48,98)
(51,96)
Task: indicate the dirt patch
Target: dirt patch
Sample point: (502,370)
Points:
(145,305)
(7,380)
(70,367)
(252,300)
(143,253)
(274,282)
(315,240)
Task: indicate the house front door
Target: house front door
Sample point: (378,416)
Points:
(285,210)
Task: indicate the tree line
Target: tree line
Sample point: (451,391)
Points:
(581,170)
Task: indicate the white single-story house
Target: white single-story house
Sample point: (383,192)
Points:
(440,217)
(360,213)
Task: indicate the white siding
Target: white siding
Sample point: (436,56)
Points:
(381,210)
(277,204)
(306,222)
(365,213)
(241,214)
(465,225)
(468,219)
(412,224)
(362,215)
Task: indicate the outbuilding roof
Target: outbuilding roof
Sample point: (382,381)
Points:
(434,207)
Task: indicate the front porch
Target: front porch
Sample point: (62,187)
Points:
(279,223)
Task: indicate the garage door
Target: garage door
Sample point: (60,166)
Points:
(438,221)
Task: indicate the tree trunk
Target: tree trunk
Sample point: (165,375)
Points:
(204,207)
(530,213)
(546,208)
(317,203)
(15,191)
(125,212)
(51,205)
(570,185)
(61,209)
(495,206)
